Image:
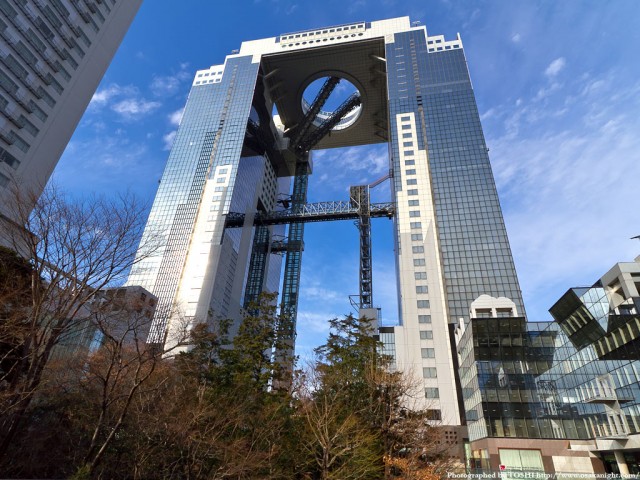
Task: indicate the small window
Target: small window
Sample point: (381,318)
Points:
(428,352)
(411,171)
(434,414)
(219,189)
(422,289)
(483,313)
(414,203)
(420,275)
(407,135)
(406,118)
(504,312)
(6,157)
(407,144)
(221,180)
(424,318)
(414,213)
(429,372)
(419,262)
(409,162)
(20,143)
(415,225)
(423,304)
(431,392)
(406,127)
(417,249)
(412,181)
(408,152)
(426,335)
(412,192)
(416,237)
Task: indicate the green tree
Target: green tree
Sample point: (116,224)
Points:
(335,398)
(357,410)
(222,418)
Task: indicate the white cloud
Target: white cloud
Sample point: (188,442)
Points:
(103,161)
(555,67)
(312,330)
(593,87)
(544,92)
(168,140)
(319,292)
(341,167)
(516,38)
(176,117)
(103,96)
(488,114)
(131,108)
(125,100)
(565,185)
(356,5)
(163,86)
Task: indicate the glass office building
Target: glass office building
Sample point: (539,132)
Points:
(451,239)
(573,381)
(201,269)
(415,94)
(557,397)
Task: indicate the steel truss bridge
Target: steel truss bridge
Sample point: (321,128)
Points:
(312,212)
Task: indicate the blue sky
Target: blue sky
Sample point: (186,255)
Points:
(558,89)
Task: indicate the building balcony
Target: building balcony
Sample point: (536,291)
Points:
(610,396)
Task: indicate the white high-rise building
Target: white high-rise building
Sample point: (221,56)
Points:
(217,203)
(53,54)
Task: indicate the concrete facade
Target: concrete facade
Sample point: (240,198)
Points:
(53,55)
(416,95)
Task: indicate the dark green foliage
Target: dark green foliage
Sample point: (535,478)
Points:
(342,436)
(220,410)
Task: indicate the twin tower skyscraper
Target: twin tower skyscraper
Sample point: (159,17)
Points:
(223,224)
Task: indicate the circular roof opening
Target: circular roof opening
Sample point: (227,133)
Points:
(343,90)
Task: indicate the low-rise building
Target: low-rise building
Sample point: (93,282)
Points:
(559,397)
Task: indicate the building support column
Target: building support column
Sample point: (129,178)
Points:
(622,464)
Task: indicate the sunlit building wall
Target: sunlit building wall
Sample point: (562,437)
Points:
(451,245)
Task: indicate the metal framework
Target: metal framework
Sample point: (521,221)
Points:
(282,246)
(357,208)
(293,259)
(360,200)
(311,140)
(303,138)
(257,264)
(315,108)
(313,212)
